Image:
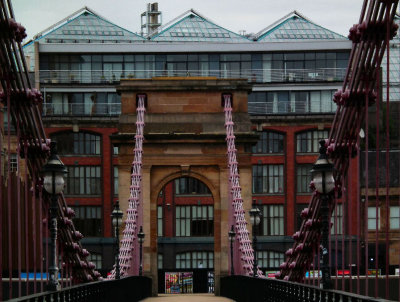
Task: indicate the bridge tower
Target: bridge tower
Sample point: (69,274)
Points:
(184,136)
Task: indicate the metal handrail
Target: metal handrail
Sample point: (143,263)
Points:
(266,289)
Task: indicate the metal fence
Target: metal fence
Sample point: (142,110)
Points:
(130,289)
(249,289)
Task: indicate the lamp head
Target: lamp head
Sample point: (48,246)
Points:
(232,234)
(322,172)
(116,215)
(255,214)
(141,235)
(54,171)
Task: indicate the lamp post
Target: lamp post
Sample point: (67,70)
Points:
(255,220)
(53,181)
(140,236)
(232,235)
(324,182)
(116,218)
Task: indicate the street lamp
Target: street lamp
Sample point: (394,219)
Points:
(116,219)
(324,182)
(53,181)
(140,236)
(255,220)
(232,235)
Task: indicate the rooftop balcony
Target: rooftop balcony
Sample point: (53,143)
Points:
(110,77)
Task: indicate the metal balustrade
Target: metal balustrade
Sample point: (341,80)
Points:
(132,288)
(81,109)
(249,289)
(110,77)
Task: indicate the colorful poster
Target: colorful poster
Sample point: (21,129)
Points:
(178,282)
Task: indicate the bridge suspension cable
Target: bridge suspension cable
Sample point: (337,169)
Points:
(127,258)
(244,248)
(370,39)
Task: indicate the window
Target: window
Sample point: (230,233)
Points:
(272,220)
(395,217)
(87,220)
(13,162)
(159,221)
(81,143)
(115,150)
(308,142)
(304,178)
(194,221)
(83,180)
(96,259)
(270,259)
(189,185)
(116,183)
(160,261)
(194,260)
(82,104)
(268,179)
(337,220)
(372,218)
(270,142)
(6,122)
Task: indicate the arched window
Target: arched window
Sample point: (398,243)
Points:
(77,143)
(308,141)
(270,142)
(190,185)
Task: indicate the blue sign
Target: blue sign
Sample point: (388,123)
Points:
(39,276)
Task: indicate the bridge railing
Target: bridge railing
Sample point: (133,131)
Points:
(247,289)
(130,289)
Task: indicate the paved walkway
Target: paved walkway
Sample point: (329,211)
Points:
(187,297)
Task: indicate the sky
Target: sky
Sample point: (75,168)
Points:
(249,15)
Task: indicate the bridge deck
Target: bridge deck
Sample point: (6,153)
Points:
(187,297)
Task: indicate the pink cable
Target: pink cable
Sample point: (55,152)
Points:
(127,249)
(245,249)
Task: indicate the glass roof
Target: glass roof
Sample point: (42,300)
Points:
(297,28)
(194,28)
(90,28)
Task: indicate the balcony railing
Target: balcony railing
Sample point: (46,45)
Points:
(263,108)
(253,75)
(95,109)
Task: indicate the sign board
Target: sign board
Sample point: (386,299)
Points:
(314,274)
(373,272)
(343,272)
(270,274)
(38,276)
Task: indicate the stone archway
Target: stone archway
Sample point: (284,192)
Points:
(184,136)
(187,225)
